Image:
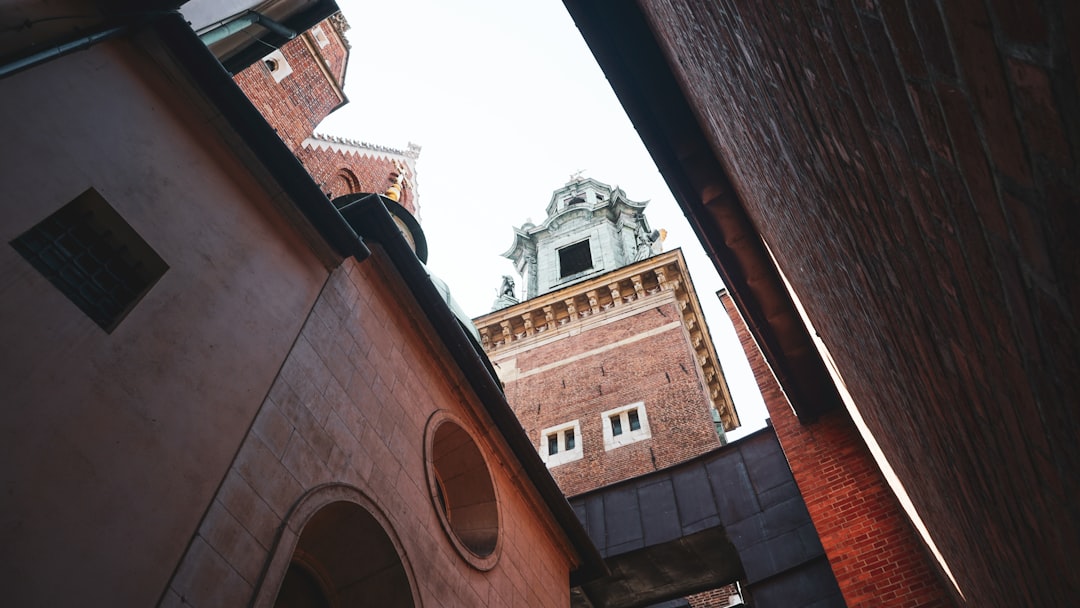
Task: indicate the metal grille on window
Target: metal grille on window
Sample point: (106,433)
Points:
(635,422)
(88,252)
(616,425)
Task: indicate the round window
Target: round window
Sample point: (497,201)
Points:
(462,491)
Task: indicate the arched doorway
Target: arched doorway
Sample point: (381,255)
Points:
(344,557)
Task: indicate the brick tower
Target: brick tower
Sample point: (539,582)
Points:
(296,87)
(607,362)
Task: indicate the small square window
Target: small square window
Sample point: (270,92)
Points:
(94,257)
(574,259)
(625,425)
(559,444)
(320,36)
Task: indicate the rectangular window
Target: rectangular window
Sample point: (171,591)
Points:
(574,259)
(94,257)
(559,444)
(625,425)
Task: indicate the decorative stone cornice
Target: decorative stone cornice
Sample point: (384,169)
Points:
(660,279)
(340,26)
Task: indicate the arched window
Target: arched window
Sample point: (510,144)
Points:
(344,182)
(346,555)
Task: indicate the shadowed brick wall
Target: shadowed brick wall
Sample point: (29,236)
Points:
(875,553)
(912,165)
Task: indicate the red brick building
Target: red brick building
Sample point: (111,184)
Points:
(874,550)
(297,86)
(911,169)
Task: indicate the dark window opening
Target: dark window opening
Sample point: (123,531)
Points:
(616,426)
(570,439)
(574,259)
(553,444)
(94,257)
(635,422)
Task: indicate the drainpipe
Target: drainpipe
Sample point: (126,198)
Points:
(59,50)
(250,18)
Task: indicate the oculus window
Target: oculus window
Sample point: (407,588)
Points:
(94,257)
(462,490)
(575,259)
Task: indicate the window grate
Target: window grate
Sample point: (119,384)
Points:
(88,252)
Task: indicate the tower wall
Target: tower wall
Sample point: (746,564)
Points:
(631,339)
(305,88)
(613,360)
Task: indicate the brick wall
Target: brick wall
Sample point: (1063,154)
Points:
(349,406)
(659,370)
(874,552)
(339,173)
(912,165)
(297,104)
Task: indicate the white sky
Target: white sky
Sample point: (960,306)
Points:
(507,102)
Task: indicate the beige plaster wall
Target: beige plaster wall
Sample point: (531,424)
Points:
(112,446)
(350,407)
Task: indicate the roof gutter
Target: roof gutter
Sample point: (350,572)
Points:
(225,30)
(370,217)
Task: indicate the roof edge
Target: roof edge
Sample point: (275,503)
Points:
(372,220)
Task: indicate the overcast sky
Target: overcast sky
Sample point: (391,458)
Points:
(507,102)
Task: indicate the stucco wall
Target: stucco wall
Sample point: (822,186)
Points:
(114,444)
(350,407)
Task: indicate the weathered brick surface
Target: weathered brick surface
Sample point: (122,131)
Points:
(874,552)
(658,370)
(912,167)
(339,172)
(350,406)
(297,104)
